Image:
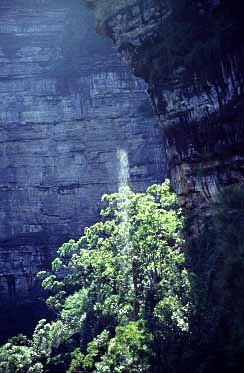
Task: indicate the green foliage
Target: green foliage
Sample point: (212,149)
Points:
(76,361)
(74,310)
(218,260)
(94,348)
(126,301)
(16,358)
(124,290)
(128,351)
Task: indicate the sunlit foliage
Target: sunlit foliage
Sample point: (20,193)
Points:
(121,292)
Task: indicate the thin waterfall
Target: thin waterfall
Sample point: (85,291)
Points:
(123,168)
(124,178)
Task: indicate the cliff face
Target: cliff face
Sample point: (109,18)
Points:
(191,56)
(67,104)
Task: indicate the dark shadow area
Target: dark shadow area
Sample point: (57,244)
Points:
(22,319)
(216,258)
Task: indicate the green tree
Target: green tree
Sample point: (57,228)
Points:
(121,292)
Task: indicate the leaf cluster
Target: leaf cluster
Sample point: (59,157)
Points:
(119,291)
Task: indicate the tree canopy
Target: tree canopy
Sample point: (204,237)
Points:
(121,293)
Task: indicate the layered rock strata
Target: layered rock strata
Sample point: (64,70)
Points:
(191,56)
(67,105)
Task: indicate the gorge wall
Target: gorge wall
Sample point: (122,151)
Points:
(67,105)
(191,55)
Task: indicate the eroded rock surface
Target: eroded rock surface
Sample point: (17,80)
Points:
(192,60)
(67,104)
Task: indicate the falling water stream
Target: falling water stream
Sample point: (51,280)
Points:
(124,178)
(123,168)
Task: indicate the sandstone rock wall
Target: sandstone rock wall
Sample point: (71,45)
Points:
(199,104)
(67,104)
